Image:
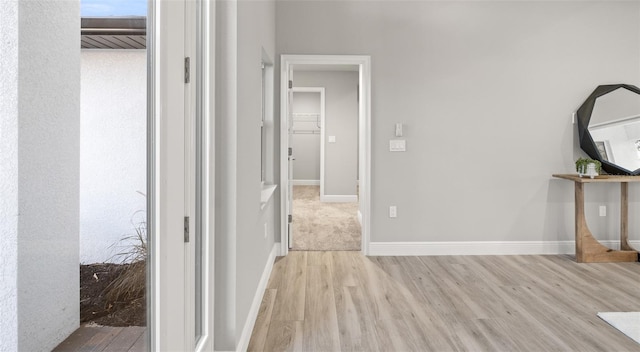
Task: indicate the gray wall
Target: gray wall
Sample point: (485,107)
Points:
(485,90)
(40,134)
(256,30)
(306,145)
(341,121)
(225,203)
(242,249)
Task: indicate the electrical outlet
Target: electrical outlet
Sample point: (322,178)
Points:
(393,211)
(603,210)
(573,118)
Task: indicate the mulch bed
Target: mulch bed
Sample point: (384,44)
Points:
(94,278)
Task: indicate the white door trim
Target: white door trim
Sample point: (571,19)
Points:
(167,299)
(364,116)
(166,203)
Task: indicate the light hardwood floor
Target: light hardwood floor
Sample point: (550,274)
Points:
(105,338)
(344,301)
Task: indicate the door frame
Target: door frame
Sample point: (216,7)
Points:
(364,133)
(170,322)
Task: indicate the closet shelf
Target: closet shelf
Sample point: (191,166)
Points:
(306,114)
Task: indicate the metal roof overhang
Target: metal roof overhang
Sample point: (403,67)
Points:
(113,32)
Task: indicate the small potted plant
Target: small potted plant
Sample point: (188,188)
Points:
(588,167)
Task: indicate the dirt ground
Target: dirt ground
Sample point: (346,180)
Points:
(94,278)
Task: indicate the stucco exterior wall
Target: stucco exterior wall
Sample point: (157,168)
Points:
(112,151)
(40,123)
(8,175)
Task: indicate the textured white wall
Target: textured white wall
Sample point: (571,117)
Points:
(341,121)
(112,150)
(485,90)
(8,176)
(39,154)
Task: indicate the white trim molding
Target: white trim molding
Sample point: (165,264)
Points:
(306,182)
(364,147)
(343,198)
(480,248)
(243,343)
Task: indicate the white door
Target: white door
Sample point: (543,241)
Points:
(291,159)
(198,250)
(180,312)
(199,194)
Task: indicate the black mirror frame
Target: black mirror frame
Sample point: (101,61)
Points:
(587,144)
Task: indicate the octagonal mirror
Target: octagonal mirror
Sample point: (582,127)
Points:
(609,128)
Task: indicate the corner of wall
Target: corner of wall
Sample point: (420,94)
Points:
(48,115)
(8,176)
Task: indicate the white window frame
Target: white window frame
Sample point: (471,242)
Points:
(267,130)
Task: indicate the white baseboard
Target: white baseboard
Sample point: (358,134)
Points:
(359,217)
(243,343)
(339,198)
(306,182)
(480,248)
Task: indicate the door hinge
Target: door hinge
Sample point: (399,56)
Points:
(290,84)
(290,218)
(186,229)
(290,151)
(187,70)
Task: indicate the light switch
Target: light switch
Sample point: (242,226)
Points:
(398,130)
(332,139)
(397,145)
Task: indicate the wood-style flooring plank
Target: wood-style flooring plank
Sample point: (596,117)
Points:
(125,339)
(342,269)
(355,323)
(320,326)
(284,336)
(105,338)
(141,343)
(276,273)
(291,288)
(449,303)
(101,339)
(80,337)
(261,328)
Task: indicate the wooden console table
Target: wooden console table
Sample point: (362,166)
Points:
(588,249)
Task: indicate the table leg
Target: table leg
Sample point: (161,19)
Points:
(624,217)
(588,249)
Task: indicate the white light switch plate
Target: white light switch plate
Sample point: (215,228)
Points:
(332,139)
(397,145)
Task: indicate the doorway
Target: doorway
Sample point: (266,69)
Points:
(324,140)
(297,124)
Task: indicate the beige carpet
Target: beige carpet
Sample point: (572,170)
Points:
(319,226)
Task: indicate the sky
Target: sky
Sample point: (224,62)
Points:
(102,8)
